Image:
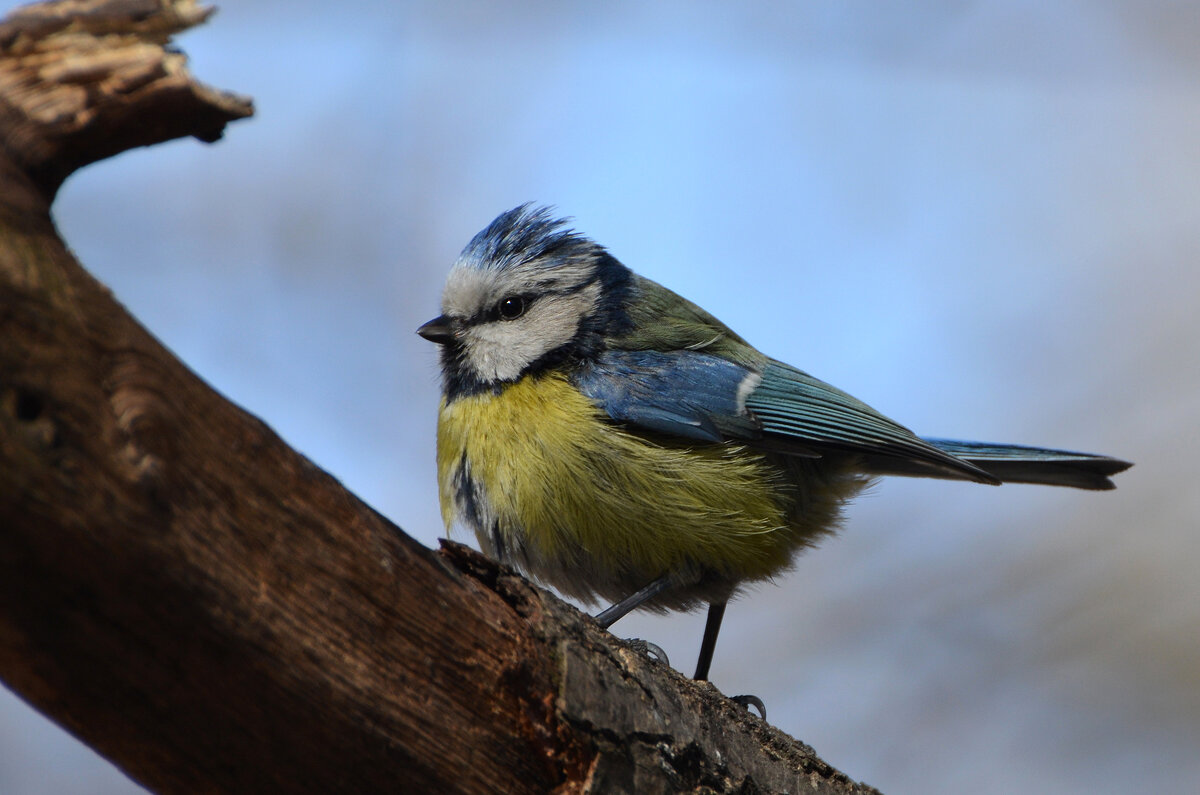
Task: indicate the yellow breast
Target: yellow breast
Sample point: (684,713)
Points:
(598,510)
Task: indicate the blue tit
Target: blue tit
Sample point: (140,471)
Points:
(614,440)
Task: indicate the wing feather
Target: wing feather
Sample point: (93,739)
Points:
(706,398)
(683,393)
(794,404)
(679,370)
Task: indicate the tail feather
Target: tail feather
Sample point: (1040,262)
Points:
(1018,464)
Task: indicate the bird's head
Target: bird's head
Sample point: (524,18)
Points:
(526,295)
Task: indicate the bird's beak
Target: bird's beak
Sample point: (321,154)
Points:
(438,330)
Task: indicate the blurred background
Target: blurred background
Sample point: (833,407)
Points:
(983,218)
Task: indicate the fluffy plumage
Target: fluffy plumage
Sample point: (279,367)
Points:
(603,433)
(549,484)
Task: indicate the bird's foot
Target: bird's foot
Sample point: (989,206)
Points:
(751,701)
(651,650)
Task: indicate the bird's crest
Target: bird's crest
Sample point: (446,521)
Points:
(523,235)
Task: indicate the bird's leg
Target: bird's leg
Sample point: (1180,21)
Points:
(630,603)
(607,618)
(712,626)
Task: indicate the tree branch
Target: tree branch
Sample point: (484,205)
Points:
(207,608)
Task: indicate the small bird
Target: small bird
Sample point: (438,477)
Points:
(614,440)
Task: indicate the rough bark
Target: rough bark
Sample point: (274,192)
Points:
(210,610)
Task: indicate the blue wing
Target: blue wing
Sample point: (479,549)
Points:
(682,393)
(792,404)
(707,398)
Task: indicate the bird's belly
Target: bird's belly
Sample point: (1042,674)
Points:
(546,481)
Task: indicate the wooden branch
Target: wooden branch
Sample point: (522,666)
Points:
(207,608)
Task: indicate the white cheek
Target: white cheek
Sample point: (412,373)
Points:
(497,351)
(501,350)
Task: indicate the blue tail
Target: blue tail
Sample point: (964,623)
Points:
(1017,464)
(1004,463)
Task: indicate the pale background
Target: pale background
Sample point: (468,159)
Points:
(983,218)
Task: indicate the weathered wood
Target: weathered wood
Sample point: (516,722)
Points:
(83,81)
(210,610)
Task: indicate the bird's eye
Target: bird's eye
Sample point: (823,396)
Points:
(511,308)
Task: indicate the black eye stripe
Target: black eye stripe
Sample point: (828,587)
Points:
(513,306)
(578,288)
(509,307)
(497,312)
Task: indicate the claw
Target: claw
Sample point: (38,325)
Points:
(651,650)
(751,701)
